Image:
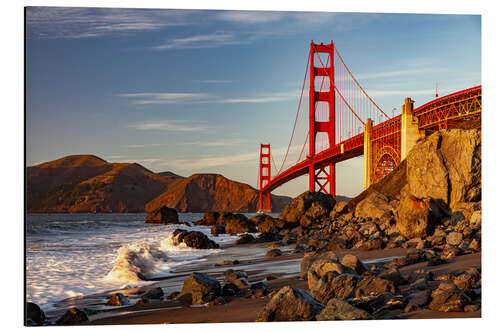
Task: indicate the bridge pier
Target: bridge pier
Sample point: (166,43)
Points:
(409,128)
(367,154)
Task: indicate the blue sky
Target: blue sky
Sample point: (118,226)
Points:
(197,91)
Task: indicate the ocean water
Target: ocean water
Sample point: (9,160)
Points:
(70,255)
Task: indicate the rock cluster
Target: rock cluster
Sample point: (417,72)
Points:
(194,239)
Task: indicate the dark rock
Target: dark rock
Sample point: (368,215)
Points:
(241,283)
(268,237)
(290,304)
(417,300)
(448,298)
(202,287)
(418,217)
(232,276)
(218,301)
(194,239)
(454,238)
(34,315)
(436,261)
(142,301)
(332,285)
(392,274)
(309,259)
(237,223)
(373,244)
(258,285)
(230,289)
(73,316)
(173,295)
(273,253)
(420,284)
(118,299)
(353,262)
(374,205)
(246,239)
(217,230)
(209,218)
(472,307)
(271,224)
(163,215)
(372,285)
(339,310)
(308,208)
(156,293)
(262,292)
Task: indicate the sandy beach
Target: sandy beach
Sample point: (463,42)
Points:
(243,309)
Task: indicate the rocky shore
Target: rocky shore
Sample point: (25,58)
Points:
(407,247)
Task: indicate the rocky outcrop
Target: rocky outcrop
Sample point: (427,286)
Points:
(290,304)
(200,288)
(118,299)
(450,163)
(308,208)
(194,239)
(339,310)
(418,217)
(163,215)
(375,205)
(332,285)
(310,258)
(34,315)
(73,316)
(447,297)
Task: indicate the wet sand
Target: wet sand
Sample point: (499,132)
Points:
(286,268)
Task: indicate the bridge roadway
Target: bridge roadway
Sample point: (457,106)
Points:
(353,147)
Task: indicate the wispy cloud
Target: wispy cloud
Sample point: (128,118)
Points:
(205,98)
(167,98)
(399,73)
(200,42)
(213,81)
(168,125)
(218,143)
(250,17)
(73,22)
(208,162)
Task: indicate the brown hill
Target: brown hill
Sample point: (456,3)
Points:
(86,183)
(212,192)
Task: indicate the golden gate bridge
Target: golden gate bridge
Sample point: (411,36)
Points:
(337,120)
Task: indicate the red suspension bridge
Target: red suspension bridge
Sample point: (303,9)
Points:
(338,121)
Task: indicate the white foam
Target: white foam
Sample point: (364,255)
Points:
(73,264)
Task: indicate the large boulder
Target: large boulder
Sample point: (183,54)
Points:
(118,299)
(163,215)
(309,259)
(372,285)
(353,262)
(307,208)
(290,304)
(332,285)
(194,239)
(418,217)
(34,315)
(270,224)
(375,205)
(448,298)
(236,223)
(450,163)
(200,288)
(209,218)
(73,316)
(339,310)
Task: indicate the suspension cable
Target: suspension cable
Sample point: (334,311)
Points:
(297,115)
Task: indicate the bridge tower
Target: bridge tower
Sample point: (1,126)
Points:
(264,177)
(323,177)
